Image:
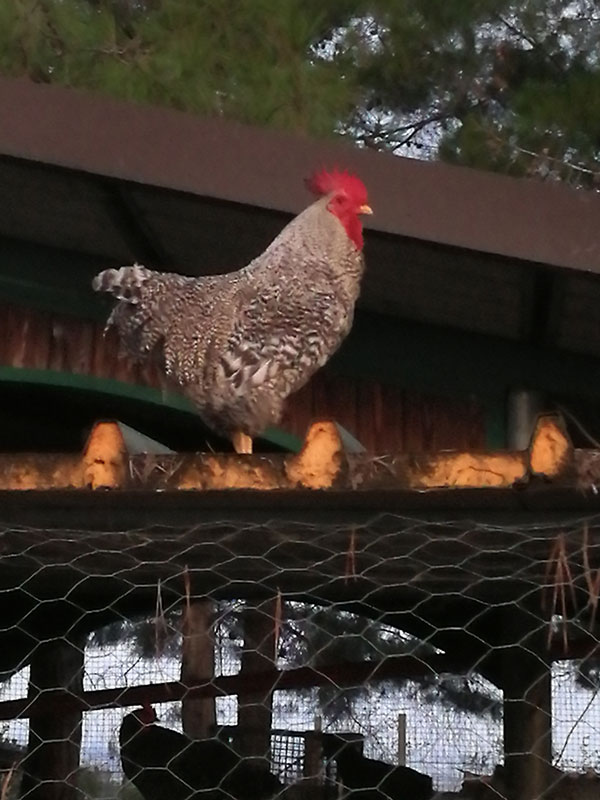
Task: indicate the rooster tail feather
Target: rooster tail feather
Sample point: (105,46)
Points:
(126,283)
(137,289)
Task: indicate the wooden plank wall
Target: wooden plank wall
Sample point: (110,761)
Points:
(40,340)
(383,417)
(388,419)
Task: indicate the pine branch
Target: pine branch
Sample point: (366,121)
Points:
(546,157)
(535,44)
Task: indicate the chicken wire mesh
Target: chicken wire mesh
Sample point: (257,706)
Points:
(478,622)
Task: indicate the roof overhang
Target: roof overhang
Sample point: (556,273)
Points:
(89,182)
(222,160)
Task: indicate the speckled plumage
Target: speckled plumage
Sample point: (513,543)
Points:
(239,344)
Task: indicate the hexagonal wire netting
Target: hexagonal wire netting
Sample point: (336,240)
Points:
(447,647)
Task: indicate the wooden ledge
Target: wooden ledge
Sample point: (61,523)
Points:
(321,464)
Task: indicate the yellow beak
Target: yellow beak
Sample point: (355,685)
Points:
(365,210)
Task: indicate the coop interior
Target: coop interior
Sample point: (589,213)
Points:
(333,625)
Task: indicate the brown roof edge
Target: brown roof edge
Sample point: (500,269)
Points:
(526,219)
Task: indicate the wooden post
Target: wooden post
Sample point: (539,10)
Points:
(526,679)
(255,709)
(198,664)
(313,758)
(402,740)
(523,407)
(53,752)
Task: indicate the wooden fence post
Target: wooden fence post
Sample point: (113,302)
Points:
(53,753)
(255,708)
(198,664)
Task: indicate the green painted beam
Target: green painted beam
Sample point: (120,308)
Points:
(92,383)
(127,391)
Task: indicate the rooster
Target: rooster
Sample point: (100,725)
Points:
(369,779)
(162,763)
(239,344)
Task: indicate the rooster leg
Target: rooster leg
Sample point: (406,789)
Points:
(242,443)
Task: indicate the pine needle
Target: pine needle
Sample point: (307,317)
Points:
(6,782)
(350,570)
(160,623)
(277,623)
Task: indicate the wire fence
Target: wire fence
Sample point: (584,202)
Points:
(453,653)
(443,742)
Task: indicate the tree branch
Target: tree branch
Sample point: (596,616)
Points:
(530,40)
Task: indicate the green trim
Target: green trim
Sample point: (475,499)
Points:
(129,391)
(91,383)
(283,439)
(495,424)
(52,280)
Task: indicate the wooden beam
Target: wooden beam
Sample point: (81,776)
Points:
(104,458)
(26,472)
(321,464)
(345,674)
(551,451)
(318,464)
(474,470)
(335,675)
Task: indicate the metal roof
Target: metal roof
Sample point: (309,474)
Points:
(525,219)
(112,182)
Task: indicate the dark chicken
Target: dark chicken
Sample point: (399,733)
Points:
(368,779)
(239,344)
(166,765)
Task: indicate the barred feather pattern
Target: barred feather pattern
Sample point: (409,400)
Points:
(239,344)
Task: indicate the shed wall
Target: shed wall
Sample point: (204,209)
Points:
(384,418)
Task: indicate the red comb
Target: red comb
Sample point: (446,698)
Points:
(325,181)
(149,714)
